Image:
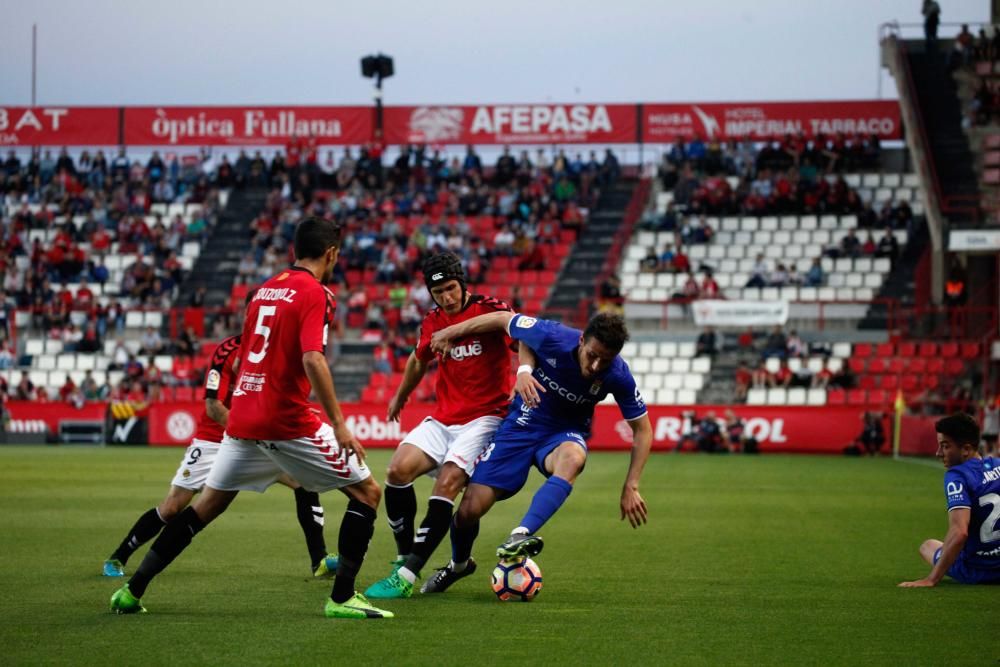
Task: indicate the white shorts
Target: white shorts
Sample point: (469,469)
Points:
(317,463)
(194,467)
(460,444)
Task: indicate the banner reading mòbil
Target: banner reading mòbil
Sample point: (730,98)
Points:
(246,126)
(664,123)
(512,124)
(58,126)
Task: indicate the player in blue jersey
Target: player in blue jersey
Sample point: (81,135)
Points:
(574,371)
(970,553)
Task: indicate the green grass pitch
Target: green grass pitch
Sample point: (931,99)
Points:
(746,560)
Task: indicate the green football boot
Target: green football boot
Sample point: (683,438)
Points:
(356,607)
(327,568)
(393,586)
(113,568)
(123,602)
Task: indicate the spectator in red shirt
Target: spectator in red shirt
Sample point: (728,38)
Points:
(84,296)
(709,287)
(761,378)
(783,376)
(744,377)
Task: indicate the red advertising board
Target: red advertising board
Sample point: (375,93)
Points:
(58,126)
(55,413)
(512,124)
(663,123)
(246,126)
(778,429)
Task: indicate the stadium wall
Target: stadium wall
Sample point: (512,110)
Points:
(777,429)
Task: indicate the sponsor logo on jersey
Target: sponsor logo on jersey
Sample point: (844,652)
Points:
(526,322)
(181,425)
(954,489)
(551,361)
(561,390)
(991,475)
(460,352)
(595,388)
(213,380)
(283,276)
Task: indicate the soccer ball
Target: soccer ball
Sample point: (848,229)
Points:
(517,580)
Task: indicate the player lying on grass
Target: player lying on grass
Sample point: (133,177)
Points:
(473,394)
(575,371)
(196,463)
(970,553)
(274,429)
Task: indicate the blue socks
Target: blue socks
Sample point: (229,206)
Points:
(547,500)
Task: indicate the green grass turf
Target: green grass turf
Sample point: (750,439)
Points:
(746,560)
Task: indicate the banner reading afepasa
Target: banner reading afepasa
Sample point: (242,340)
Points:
(246,126)
(512,124)
(663,123)
(58,126)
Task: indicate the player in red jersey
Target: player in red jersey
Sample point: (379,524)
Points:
(273,428)
(197,462)
(473,394)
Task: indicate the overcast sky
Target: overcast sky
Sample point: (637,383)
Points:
(115,52)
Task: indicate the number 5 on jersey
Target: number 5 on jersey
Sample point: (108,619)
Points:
(262,330)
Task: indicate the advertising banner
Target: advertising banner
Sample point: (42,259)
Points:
(757,121)
(512,124)
(777,429)
(52,414)
(246,126)
(720,313)
(58,126)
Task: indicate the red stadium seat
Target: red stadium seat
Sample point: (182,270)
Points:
(836,397)
(885,350)
(910,383)
(897,365)
(857,397)
(185,394)
(867,382)
(948,350)
(878,365)
(856,365)
(862,350)
(928,350)
(931,382)
(954,366)
(889,382)
(878,397)
(917,365)
(969,350)
(906,349)
(935,365)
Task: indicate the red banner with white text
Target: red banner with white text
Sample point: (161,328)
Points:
(246,126)
(58,126)
(757,121)
(52,414)
(784,429)
(512,124)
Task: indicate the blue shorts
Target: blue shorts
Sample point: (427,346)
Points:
(507,460)
(964,573)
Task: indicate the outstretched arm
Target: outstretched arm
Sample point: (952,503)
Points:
(954,541)
(412,375)
(498,321)
(632,505)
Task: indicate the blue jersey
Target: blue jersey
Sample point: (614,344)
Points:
(975,485)
(569,399)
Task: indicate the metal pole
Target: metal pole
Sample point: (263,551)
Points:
(34,59)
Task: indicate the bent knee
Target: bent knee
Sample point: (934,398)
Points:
(369,493)
(399,475)
(450,481)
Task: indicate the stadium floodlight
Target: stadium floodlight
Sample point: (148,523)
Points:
(378,67)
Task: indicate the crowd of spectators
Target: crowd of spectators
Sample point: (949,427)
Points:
(396,216)
(86,206)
